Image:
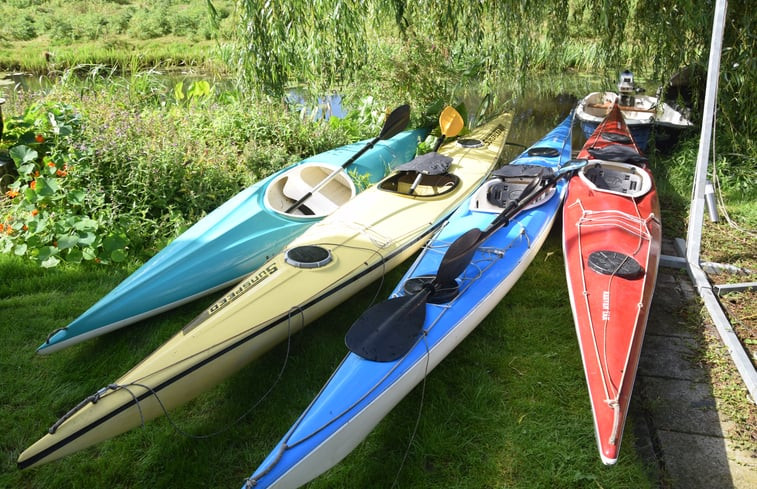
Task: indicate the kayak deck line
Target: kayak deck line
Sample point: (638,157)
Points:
(364,388)
(639,227)
(238,236)
(241,340)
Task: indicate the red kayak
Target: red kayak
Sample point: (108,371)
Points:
(611,243)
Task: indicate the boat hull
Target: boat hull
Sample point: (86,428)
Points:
(646,114)
(233,240)
(361,392)
(364,238)
(611,245)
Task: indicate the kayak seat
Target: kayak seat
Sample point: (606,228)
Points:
(501,193)
(507,185)
(292,185)
(429,185)
(617,178)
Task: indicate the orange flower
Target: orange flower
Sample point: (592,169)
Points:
(25,227)
(33,185)
(61,173)
(2,227)
(35,212)
(50,163)
(39,138)
(11,193)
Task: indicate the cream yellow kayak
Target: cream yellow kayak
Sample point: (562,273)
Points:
(331,261)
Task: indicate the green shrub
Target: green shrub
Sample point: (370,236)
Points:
(149,24)
(20,27)
(49,214)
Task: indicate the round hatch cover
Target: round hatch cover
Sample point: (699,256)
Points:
(470,143)
(614,263)
(308,256)
(543,152)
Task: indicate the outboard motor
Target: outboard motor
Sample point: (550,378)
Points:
(626,89)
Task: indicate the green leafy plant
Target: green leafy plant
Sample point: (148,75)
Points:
(47,215)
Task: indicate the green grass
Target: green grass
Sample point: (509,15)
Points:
(46,35)
(506,409)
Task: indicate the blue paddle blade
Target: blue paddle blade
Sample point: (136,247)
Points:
(388,330)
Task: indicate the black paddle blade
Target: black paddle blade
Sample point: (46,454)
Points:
(395,122)
(388,330)
(458,256)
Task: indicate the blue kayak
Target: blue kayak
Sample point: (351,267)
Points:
(239,236)
(395,344)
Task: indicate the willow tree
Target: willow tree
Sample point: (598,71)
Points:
(327,42)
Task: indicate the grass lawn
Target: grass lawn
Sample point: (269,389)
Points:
(508,408)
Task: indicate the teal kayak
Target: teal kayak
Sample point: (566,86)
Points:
(459,277)
(240,235)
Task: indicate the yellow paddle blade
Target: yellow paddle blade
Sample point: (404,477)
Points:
(450,122)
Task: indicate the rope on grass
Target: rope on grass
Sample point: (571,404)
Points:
(94,398)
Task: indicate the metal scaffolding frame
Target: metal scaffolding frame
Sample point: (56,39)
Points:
(691,247)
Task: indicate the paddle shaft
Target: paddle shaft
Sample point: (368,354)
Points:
(460,252)
(395,122)
(333,174)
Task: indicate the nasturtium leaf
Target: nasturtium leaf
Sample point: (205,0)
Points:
(67,241)
(22,155)
(87,238)
(85,224)
(89,254)
(50,261)
(31,195)
(26,169)
(46,252)
(113,242)
(118,256)
(74,255)
(76,196)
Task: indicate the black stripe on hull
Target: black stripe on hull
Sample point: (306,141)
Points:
(70,438)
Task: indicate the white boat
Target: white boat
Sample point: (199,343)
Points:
(642,113)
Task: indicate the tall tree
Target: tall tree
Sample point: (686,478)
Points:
(325,42)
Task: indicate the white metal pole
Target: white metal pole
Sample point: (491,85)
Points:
(696,216)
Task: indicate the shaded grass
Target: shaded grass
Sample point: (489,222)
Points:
(506,409)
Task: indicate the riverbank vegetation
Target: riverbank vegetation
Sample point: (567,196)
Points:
(114,153)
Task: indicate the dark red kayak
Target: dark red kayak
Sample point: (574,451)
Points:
(611,243)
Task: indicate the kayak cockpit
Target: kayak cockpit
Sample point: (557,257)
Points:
(616,178)
(507,185)
(424,176)
(293,185)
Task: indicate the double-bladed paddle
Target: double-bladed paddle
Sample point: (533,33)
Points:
(388,330)
(394,124)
